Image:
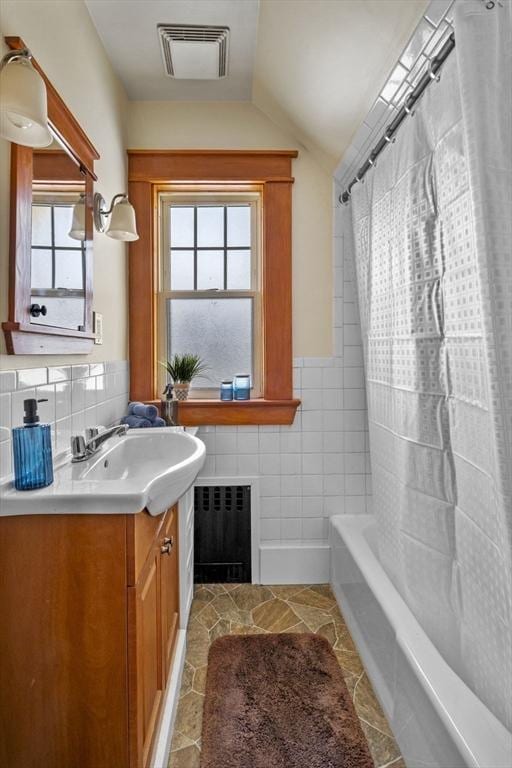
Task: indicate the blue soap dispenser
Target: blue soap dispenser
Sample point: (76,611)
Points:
(32,449)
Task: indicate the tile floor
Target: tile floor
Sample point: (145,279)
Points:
(221,609)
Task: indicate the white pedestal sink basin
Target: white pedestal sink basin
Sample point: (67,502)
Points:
(149,468)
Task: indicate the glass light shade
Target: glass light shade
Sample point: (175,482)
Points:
(77,231)
(122,224)
(23,105)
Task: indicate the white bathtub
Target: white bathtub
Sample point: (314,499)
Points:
(437,720)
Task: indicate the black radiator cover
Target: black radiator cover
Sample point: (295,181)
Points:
(222,534)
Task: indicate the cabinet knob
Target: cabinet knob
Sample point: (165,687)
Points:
(168,544)
(36,310)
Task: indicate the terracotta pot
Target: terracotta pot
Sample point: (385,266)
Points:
(181,390)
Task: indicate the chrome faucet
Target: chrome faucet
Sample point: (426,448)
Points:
(82,448)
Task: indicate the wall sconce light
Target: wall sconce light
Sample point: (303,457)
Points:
(77,231)
(122,225)
(23,103)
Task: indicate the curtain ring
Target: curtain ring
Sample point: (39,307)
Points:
(432,74)
(371,160)
(387,137)
(407,108)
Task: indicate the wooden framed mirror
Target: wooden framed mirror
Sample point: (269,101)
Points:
(50,257)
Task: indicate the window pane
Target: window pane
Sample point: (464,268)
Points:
(63,217)
(182,227)
(239,225)
(239,270)
(41,225)
(61,312)
(182,270)
(219,330)
(210,226)
(210,270)
(68,269)
(41,268)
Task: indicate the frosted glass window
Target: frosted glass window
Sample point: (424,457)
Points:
(41,225)
(182,270)
(239,225)
(210,226)
(210,270)
(217,329)
(182,227)
(69,269)
(41,268)
(239,270)
(63,216)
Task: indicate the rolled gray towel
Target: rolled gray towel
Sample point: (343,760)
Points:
(134,422)
(142,411)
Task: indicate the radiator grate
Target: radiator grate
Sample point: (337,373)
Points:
(222,534)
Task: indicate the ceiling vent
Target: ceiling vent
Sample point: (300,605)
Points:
(194,51)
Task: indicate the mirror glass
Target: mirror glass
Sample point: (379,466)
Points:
(58,240)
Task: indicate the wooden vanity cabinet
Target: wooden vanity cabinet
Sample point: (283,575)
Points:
(89,617)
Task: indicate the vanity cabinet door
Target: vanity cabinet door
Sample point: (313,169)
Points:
(169,587)
(146,669)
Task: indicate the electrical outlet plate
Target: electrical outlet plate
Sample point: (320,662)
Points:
(98,327)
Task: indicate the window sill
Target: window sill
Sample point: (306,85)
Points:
(196,413)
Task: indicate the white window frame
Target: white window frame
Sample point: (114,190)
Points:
(215,197)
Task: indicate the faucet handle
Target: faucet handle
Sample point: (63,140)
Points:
(78,446)
(91,433)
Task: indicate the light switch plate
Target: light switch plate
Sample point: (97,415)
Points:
(98,327)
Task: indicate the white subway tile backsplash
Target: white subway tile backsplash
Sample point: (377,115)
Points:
(79,371)
(31,377)
(71,392)
(62,399)
(5,458)
(5,416)
(59,373)
(7,381)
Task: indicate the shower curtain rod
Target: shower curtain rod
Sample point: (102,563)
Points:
(430,75)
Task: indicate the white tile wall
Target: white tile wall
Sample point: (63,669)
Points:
(320,465)
(78,396)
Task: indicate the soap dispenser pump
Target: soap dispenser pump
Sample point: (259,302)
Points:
(32,450)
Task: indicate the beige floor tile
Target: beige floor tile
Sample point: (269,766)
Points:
(220,609)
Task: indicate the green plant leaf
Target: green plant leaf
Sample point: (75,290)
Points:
(184,368)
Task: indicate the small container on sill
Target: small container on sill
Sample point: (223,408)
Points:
(226,390)
(242,386)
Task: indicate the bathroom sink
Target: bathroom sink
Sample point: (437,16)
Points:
(143,469)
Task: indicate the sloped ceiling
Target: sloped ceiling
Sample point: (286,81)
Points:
(320,65)
(314,67)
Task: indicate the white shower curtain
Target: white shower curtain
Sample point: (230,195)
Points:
(431,228)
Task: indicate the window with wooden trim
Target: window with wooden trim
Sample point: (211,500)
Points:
(210,288)
(210,177)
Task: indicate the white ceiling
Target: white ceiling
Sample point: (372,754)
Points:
(314,67)
(128,30)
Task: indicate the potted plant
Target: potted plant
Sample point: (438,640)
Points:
(182,369)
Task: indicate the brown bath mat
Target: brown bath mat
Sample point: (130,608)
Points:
(279,701)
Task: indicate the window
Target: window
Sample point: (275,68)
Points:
(161,180)
(210,295)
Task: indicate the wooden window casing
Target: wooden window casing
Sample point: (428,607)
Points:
(150,172)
